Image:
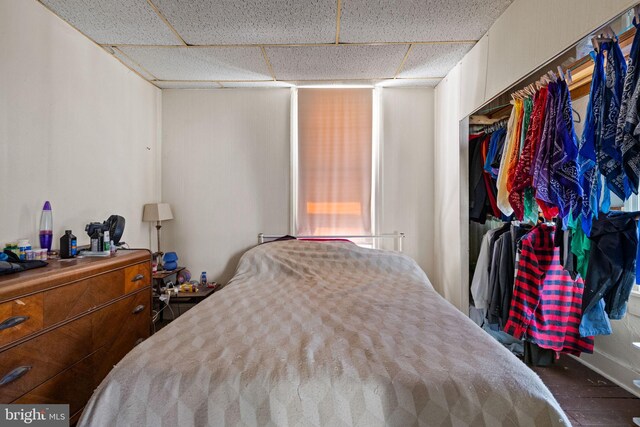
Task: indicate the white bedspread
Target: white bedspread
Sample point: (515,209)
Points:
(322,334)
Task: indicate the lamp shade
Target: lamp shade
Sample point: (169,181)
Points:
(157,212)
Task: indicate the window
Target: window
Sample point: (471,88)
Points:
(333,177)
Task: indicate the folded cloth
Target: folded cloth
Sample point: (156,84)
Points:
(13,264)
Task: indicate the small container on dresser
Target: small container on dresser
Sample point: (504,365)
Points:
(64,326)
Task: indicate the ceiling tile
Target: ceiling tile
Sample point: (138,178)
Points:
(115,21)
(433,60)
(252,22)
(336,62)
(417,20)
(131,64)
(199,63)
(163,84)
(409,83)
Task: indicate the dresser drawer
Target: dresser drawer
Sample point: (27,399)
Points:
(114,329)
(27,365)
(72,386)
(114,322)
(74,299)
(20,317)
(135,329)
(137,277)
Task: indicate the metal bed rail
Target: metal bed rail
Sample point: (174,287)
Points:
(398,238)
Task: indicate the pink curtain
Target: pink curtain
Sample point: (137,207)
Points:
(334,161)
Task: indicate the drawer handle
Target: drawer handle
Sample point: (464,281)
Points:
(138,309)
(137,277)
(12,321)
(14,375)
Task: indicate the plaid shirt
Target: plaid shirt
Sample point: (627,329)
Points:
(546,307)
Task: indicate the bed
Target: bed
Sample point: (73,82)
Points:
(322,334)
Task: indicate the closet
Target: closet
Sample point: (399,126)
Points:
(554,170)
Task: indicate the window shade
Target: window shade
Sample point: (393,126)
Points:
(334,161)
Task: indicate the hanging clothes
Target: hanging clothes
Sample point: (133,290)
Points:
(542,170)
(589,145)
(480,283)
(574,277)
(495,146)
(501,285)
(508,154)
(523,178)
(610,155)
(611,272)
(489,183)
(515,153)
(477,187)
(547,302)
(626,136)
(564,183)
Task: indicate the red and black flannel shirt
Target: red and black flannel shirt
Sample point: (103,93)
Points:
(546,307)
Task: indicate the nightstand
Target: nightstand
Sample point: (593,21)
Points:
(162,277)
(177,302)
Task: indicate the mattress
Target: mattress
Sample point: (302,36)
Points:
(322,334)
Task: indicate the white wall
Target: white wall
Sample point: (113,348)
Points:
(225,172)
(407,170)
(76,128)
(447,229)
(526,36)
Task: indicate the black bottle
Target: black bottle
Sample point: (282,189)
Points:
(68,245)
(96,241)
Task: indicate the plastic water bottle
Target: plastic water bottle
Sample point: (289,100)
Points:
(203,279)
(46,227)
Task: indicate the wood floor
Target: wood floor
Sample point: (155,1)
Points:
(588,398)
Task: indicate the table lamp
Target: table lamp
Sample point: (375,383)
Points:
(157,212)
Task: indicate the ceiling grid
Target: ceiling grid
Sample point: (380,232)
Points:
(204,44)
(164,19)
(266,59)
(406,55)
(338,13)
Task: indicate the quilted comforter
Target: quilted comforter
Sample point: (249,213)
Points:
(322,334)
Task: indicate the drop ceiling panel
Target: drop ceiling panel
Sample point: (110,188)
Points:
(207,22)
(196,63)
(433,60)
(417,20)
(115,21)
(336,62)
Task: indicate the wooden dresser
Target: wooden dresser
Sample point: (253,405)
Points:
(64,326)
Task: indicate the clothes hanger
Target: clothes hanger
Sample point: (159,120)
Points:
(607,35)
(543,81)
(579,120)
